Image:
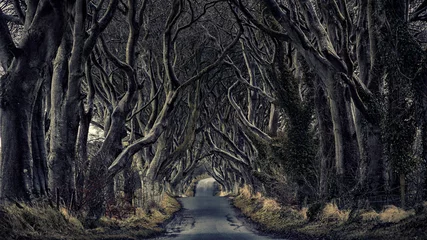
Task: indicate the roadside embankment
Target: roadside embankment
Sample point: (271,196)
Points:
(18,221)
(327,221)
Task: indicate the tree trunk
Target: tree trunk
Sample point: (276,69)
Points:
(338,132)
(17,166)
(130,177)
(19,89)
(97,181)
(326,141)
(402,182)
(273,123)
(63,128)
(424,153)
(82,161)
(40,184)
(345,149)
(159,157)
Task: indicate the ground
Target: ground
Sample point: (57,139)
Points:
(331,222)
(18,221)
(206,217)
(209,217)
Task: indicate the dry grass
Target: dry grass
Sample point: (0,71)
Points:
(149,219)
(303,213)
(47,223)
(245,192)
(331,213)
(390,214)
(369,216)
(37,222)
(393,214)
(170,205)
(223,194)
(271,205)
(267,211)
(71,219)
(332,222)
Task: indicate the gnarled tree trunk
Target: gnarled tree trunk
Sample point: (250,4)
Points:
(23,157)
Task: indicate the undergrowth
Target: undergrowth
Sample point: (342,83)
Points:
(330,222)
(44,222)
(142,224)
(267,212)
(37,222)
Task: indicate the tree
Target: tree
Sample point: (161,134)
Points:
(23,162)
(75,50)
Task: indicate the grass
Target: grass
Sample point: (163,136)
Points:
(330,222)
(267,212)
(393,214)
(331,213)
(39,222)
(44,222)
(143,224)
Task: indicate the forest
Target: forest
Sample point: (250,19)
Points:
(118,102)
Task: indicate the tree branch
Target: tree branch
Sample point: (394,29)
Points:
(7,46)
(258,132)
(99,27)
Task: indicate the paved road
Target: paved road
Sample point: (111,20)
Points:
(206,217)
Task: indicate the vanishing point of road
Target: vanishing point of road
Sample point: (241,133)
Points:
(208,217)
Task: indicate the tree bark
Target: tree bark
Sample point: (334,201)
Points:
(326,141)
(40,174)
(19,95)
(62,150)
(17,166)
(66,98)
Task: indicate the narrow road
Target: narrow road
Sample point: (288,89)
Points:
(206,217)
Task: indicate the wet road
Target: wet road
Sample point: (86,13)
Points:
(208,217)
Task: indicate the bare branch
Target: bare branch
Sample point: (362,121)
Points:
(99,27)
(248,85)
(10,18)
(231,143)
(258,132)
(222,152)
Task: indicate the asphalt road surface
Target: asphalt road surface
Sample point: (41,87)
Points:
(207,217)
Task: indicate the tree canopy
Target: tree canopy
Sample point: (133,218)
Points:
(306,101)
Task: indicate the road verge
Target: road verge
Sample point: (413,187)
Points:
(19,221)
(327,221)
